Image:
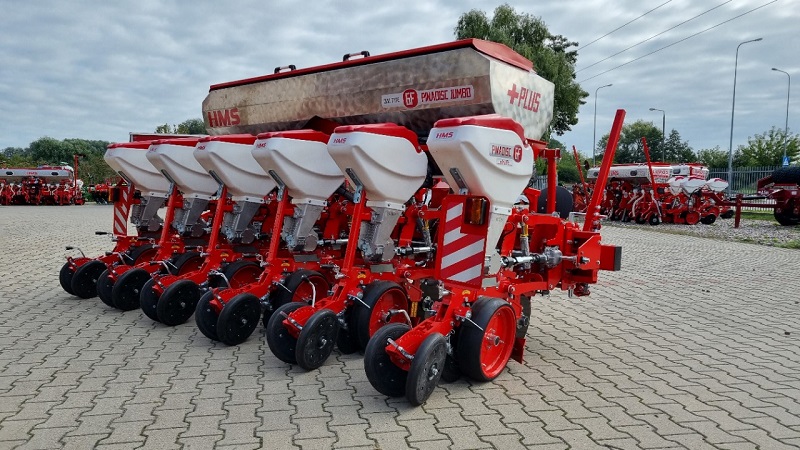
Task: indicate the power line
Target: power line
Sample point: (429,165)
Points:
(623,26)
(652,37)
(677,42)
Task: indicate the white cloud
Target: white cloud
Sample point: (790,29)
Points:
(98,70)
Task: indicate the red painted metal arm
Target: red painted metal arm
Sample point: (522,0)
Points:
(593,211)
(580,174)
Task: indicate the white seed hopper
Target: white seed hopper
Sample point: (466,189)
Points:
(175,159)
(484,155)
(301,160)
(229,158)
(129,160)
(384,158)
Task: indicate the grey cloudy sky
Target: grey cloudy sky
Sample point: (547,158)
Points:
(100,69)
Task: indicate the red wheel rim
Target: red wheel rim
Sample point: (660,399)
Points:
(498,341)
(313,287)
(192,265)
(244,276)
(389,300)
(692,217)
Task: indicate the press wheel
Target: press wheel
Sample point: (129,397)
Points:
(426,369)
(178,302)
(148,300)
(279,340)
(125,293)
(104,286)
(205,317)
(316,340)
(84,280)
(386,377)
(65,277)
(238,319)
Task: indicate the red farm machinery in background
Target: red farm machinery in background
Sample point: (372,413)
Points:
(655,192)
(43,185)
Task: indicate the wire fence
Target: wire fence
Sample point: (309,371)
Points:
(745,181)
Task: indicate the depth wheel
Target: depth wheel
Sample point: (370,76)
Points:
(241,273)
(148,300)
(316,340)
(104,286)
(380,298)
(185,263)
(125,293)
(654,220)
(300,286)
(279,340)
(382,373)
(205,317)
(426,369)
(84,280)
(141,254)
(238,319)
(178,302)
(484,352)
(692,217)
(65,277)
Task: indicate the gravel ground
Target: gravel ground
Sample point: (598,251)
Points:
(762,232)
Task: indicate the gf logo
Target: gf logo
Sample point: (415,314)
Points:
(410,98)
(518,153)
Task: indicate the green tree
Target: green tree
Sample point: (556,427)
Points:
(766,149)
(676,150)
(192,126)
(553,55)
(189,126)
(714,158)
(630,148)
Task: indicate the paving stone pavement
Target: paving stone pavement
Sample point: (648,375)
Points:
(694,344)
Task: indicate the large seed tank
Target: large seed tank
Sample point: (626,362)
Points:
(412,88)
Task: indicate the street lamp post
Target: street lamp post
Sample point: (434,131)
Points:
(786,127)
(663,133)
(733,106)
(594,134)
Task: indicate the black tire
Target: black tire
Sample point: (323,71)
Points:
(362,317)
(282,344)
(205,317)
(65,277)
(140,254)
(240,274)
(654,220)
(125,293)
(317,339)
(178,302)
(185,263)
(84,280)
(785,219)
(238,319)
(563,201)
(786,175)
(281,296)
(426,369)
(104,286)
(382,373)
(148,300)
(475,355)
(709,219)
(640,219)
(346,341)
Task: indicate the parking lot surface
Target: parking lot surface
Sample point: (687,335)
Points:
(694,344)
